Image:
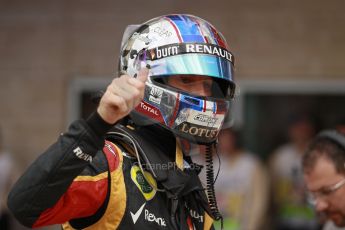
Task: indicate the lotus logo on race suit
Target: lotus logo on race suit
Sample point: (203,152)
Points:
(141,182)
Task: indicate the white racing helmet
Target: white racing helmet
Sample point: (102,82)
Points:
(180,45)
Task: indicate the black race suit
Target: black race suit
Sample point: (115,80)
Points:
(90,179)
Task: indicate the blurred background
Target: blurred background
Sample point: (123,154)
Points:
(55,54)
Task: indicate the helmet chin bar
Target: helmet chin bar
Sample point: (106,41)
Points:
(196,119)
(193,133)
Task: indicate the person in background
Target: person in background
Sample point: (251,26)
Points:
(329,225)
(242,185)
(324,175)
(291,211)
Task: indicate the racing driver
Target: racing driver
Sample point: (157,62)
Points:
(127,165)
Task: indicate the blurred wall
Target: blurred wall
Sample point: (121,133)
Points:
(44,44)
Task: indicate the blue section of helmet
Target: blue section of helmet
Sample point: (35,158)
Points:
(188,29)
(192,64)
(191,102)
(213,38)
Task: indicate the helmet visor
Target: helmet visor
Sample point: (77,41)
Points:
(218,68)
(193,64)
